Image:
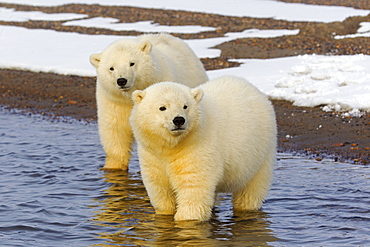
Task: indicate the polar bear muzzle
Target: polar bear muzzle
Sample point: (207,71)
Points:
(178,122)
(121,82)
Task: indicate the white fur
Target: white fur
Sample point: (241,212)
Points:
(142,61)
(228,144)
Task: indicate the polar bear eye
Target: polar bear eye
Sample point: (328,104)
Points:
(162,108)
(111,68)
(185,106)
(132,64)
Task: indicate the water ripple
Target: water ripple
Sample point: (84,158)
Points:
(52,193)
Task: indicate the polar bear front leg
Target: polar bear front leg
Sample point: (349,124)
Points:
(115,135)
(160,194)
(195,192)
(157,184)
(194,203)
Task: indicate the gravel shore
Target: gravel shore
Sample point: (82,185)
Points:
(340,138)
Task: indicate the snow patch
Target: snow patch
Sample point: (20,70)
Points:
(141,26)
(242,8)
(363,31)
(11,15)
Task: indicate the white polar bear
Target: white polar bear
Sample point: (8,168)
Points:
(131,64)
(192,143)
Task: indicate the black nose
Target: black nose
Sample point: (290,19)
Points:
(121,82)
(178,121)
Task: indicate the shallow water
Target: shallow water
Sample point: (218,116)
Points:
(52,193)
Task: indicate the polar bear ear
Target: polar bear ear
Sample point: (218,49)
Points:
(197,94)
(138,96)
(95,59)
(146,47)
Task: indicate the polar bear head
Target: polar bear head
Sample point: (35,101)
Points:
(166,110)
(124,66)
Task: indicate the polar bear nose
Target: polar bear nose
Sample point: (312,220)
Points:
(121,82)
(178,121)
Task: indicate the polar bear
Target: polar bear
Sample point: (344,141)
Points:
(193,143)
(130,64)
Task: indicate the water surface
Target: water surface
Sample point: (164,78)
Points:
(52,193)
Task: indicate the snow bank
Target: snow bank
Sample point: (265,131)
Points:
(341,83)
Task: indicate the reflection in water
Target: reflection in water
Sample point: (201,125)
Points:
(127,213)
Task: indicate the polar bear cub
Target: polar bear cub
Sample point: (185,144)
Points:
(193,143)
(131,64)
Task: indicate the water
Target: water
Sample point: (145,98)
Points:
(52,193)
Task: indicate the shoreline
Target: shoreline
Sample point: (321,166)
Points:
(305,131)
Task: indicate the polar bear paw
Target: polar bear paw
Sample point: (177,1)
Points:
(193,213)
(114,164)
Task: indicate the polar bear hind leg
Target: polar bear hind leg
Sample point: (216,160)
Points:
(253,194)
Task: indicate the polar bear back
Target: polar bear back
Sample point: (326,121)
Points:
(241,121)
(181,63)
